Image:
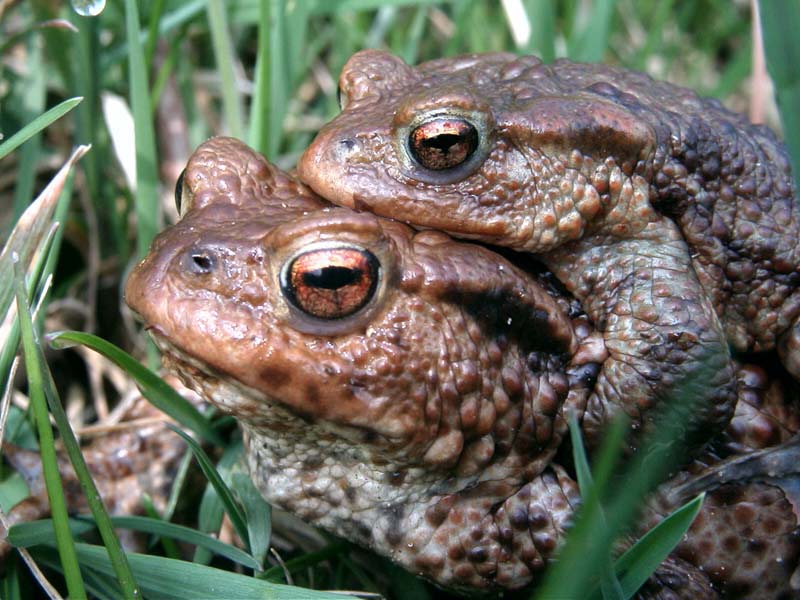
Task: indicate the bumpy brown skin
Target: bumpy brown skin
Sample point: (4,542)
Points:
(423,425)
(136,460)
(746,538)
(662,212)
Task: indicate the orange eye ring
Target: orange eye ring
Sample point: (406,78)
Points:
(443,143)
(331,283)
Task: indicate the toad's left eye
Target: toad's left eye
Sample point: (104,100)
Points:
(443,142)
(179,192)
(331,283)
(341,98)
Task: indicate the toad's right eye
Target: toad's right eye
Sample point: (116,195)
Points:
(443,142)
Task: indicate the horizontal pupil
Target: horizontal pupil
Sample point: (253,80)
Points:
(444,141)
(331,278)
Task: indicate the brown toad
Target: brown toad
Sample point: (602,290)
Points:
(404,390)
(671,219)
(398,388)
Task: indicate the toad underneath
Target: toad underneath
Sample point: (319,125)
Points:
(672,220)
(407,391)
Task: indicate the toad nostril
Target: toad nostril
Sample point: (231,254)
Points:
(199,262)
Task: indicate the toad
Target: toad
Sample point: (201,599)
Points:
(404,390)
(400,389)
(672,220)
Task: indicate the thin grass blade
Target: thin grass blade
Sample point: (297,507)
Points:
(610,586)
(159,393)
(231,507)
(154,14)
(147,209)
(26,238)
(223,52)
(258,136)
(589,36)
(55,492)
(90,491)
(413,36)
(9,584)
(36,281)
(35,126)
(33,104)
(25,535)
(782,48)
(211,509)
(42,532)
(175,579)
(258,517)
(273,82)
(306,560)
(542,17)
(640,560)
(584,474)
(188,535)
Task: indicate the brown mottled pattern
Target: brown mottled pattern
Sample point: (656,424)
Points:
(746,538)
(451,378)
(424,426)
(126,463)
(672,219)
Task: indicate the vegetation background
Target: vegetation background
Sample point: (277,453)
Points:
(157,77)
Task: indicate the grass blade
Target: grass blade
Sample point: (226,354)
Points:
(147,210)
(589,37)
(39,123)
(42,532)
(55,492)
(259,136)
(36,283)
(582,471)
(34,104)
(154,14)
(782,48)
(272,79)
(93,499)
(596,527)
(305,561)
(169,578)
(188,535)
(542,17)
(26,238)
(259,516)
(640,560)
(223,52)
(609,584)
(231,507)
(211,511)
(159,393)
(25,535)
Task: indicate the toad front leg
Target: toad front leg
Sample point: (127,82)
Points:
(660,329)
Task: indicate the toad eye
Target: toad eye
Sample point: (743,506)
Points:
(331,283)
(341,98)
(443,142)
(179,191)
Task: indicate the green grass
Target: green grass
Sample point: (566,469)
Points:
(264,70)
